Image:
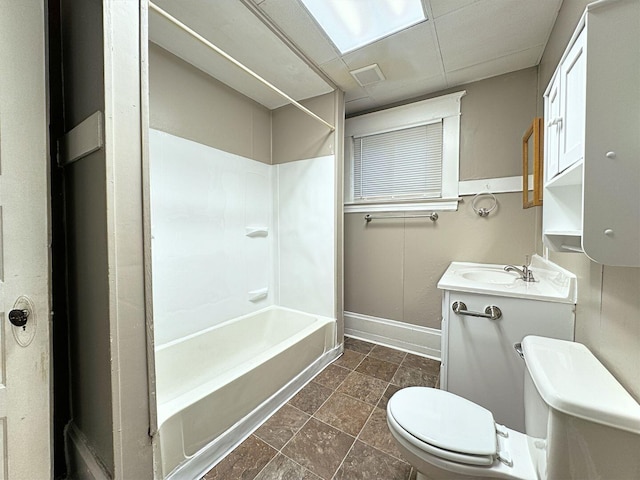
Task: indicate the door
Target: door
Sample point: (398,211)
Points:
(552,131)
(573,73)
(25,405)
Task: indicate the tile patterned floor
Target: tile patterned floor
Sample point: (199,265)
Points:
(335,428)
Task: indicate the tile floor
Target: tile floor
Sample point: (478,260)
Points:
(335,427)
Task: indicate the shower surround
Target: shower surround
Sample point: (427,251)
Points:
(243,271)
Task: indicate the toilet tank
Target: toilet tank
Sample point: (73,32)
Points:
(582,423)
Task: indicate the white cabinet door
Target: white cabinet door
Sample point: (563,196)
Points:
(553,124)
(573,80)
(25,408)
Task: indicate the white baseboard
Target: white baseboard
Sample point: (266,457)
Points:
(391,333)
(81,461)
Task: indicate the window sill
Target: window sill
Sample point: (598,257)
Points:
(433,204)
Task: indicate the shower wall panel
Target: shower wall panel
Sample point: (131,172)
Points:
(204,265)
(231,236)
(305,209)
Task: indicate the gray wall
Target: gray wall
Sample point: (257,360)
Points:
(297,136)
(392,267)
(85,199)
(608,310)
(188,103)
(103,203)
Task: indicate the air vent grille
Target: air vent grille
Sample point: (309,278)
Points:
(368,75)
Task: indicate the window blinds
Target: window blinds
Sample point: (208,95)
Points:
(403,163)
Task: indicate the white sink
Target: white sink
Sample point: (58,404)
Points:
(553,283)
(489,275)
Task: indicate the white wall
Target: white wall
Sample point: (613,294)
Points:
(205,266)
(305,199)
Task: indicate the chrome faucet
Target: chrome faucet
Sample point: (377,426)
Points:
(525,272)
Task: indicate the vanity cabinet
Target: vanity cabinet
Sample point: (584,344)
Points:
(480,362)
(592,140)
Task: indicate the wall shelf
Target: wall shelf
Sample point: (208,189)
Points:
(571,176)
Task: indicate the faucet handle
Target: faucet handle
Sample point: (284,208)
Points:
(527,260)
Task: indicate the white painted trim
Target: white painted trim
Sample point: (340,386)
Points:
(445,108)
(83,139)
(431,204)
(493,185)
(405,116)
(391,333)
(80,457)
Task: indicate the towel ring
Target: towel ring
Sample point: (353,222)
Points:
(484,212)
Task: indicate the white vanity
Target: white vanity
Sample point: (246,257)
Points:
(486,311)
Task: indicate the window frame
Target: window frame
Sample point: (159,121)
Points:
(445,108)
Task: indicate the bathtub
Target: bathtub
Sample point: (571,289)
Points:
(215,387)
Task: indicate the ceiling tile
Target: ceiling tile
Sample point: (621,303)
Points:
(338,71)
(300,28)
(400,90)
(490,29)
(498,66)
(442,7)
(408,54)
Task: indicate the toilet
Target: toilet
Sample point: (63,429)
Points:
(580,423)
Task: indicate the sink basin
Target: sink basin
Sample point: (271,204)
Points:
(490,275)
(553,283)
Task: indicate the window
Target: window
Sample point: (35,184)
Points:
(404,158)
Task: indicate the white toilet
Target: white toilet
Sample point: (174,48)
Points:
(580,424)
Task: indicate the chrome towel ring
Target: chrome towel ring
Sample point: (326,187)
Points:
(484,211)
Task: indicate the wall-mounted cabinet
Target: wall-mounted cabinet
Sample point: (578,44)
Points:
(592,141)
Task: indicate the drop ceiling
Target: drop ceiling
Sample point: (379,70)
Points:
(462,41)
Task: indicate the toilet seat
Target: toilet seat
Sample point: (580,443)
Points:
(444,425)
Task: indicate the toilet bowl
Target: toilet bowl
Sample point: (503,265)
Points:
(580,424)
(446,436)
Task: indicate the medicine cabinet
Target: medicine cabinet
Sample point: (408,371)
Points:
(592,146)
(532,164)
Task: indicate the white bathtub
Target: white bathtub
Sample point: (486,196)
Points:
(215,387)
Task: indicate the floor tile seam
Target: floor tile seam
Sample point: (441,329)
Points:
(344,458)
(294,433)
(267,464)
(388,381)
(360,400)
(375,448)
(335,428)
(411,366)
(346,454)
(383,452)
(389,361)
(293,436)
(299,464)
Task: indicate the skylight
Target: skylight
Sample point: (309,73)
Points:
(351,24)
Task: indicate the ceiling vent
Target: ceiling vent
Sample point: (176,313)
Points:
(368,75)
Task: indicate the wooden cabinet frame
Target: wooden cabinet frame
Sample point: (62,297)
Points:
(532,156)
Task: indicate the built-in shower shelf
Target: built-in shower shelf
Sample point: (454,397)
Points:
(259,294)
(257,231)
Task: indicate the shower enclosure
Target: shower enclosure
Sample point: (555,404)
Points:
(244,235)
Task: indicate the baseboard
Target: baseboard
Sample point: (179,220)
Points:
(81,461)
(391,333)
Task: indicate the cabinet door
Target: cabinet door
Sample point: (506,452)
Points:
(571,126)
(552,129)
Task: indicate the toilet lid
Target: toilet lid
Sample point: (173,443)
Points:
(445,420)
